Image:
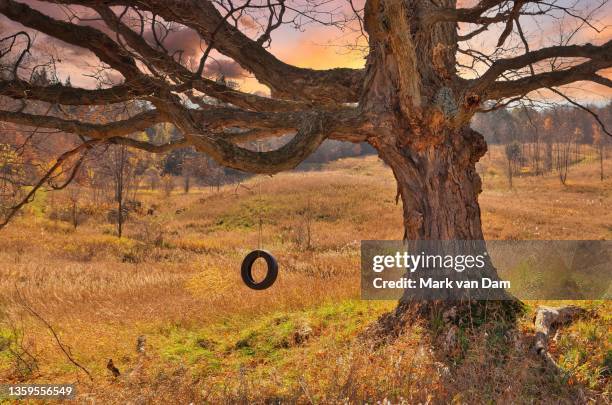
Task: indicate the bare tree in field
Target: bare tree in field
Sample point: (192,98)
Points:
(167,182)
(74,196)
(121,170)
(513,156)
(564,150)
(423,80)
(533,127)
(194,167)
(152,177)
(548,152)
(12,176)
(563,158)
(599,140)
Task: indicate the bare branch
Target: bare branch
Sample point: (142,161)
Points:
(149,147)
(45,178)
(139,122)
(600,58)
(60,94)
(62,347)
(311,134)
(286,81)
(83,36)
(583,108)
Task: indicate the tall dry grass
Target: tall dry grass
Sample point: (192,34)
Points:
(174,277)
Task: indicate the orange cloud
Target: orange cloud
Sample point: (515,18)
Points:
(319,55)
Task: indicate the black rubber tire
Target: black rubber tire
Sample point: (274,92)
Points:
(247,267)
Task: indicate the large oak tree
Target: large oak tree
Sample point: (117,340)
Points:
(409,102)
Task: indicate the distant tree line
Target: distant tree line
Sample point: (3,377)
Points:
(549,139)
(554,123)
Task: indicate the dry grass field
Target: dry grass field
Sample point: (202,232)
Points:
(174,279)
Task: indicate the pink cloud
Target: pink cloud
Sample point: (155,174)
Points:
(225,67)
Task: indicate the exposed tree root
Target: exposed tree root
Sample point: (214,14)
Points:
(547,320)
(389,326)
(441,316)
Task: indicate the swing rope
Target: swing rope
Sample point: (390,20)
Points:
(259,241)
(249,260)
(260,208)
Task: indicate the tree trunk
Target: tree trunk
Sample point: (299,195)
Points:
(422,118)
(548,158)
(536,156)
(187,183)
(439,188)
(509,173)
(120,217)
(75,218)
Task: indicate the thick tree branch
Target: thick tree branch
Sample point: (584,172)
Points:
(471,14)
(139,122)
(346,125)
(148,146)
(219,118)
(83,36)
(60,94)
(165,63)
(310,135)
(600,53)
(343,124)
(583,72)
(245,100)
(600,57)
(286,81)
(604,81)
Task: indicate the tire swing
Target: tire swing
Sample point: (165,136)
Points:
(246,270)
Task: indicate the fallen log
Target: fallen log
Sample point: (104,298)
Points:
(547,320)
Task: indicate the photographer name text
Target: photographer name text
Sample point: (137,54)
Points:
(431,283)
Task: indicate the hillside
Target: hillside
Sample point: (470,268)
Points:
(174,278)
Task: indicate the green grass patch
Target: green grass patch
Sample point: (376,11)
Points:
(268,341)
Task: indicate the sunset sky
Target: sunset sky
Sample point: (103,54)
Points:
(320,47)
